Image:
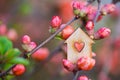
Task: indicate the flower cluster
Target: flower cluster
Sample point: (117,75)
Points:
(84,10)
(56,24)
(88,12)
(29,45)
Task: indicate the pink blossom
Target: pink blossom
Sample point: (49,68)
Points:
(56,22)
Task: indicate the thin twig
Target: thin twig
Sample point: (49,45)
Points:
(52,36)
(76,75)
(6,72)
(98,11)
(90,1)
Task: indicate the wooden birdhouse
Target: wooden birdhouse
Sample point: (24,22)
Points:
(78,44)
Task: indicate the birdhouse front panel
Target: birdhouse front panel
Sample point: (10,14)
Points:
(78,45)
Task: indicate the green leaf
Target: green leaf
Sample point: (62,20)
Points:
(5,45)
(19,60)
(11,53)
(9,77)
(7,66)
(76,12)
(58,37)
(52,30)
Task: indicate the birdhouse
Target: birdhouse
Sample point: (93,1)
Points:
(79,44)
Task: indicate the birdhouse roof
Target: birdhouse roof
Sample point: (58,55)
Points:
(79,34)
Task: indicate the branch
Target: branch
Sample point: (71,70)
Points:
(98,11)
(54,52)
(76,75)
(52,36)
(39,46)
(90,1)
(6,72)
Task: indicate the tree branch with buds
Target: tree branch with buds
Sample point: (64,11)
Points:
(89,15)
(39,46)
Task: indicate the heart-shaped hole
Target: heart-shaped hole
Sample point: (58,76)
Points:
(79,46)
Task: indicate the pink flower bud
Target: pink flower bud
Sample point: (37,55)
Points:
(85,63)
(102,33)
(41,54)
(3,29)
(116,12)
(32,45)
(83,12)
(83,78)
(68,65)
(89,25)
(78,4)
(91,12)
(12,34)
(18,70)
(108,8)
(66,32)
(56,22)
(79,8)
(90,28)
(29,47)
(26,39)
(99,18)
